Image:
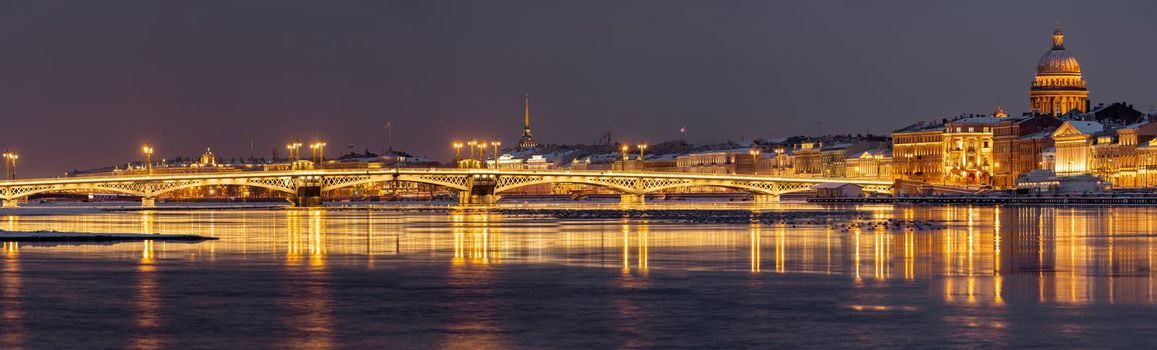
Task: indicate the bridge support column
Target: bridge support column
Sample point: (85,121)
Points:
(10,203)
(481,191)
(765,198)
(148,202)
(468,198)
(632,198)
(307,196)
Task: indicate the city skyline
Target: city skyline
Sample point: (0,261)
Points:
(70,103)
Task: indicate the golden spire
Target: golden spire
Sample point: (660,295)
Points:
(526,110)
(1058,38)
(999,113)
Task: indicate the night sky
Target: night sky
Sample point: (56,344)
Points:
(84,83)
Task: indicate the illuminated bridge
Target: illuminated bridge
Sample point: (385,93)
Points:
(474,186)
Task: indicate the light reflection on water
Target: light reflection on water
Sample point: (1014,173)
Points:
(988,257)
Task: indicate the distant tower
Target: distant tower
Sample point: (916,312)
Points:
(1058,87)
(527,140)
(999,113)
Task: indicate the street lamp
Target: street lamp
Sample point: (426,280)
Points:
(481,154)
(148,150)
(495,143)
(10,164)
(457,152)
(317,150)
(623,151)
(472,143)
(294,150)
(754,160)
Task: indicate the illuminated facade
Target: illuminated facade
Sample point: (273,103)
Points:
(735,161)
(1018,143)
(806,159)
(870,164)
(967,154)
(917,153)
(1125,158)
(1058,87)
(1074,141)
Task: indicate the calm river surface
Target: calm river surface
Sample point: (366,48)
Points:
(1004,277)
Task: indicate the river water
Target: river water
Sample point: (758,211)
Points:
(359,278)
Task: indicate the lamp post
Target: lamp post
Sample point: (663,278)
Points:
(148,150)
(642,161)
(317,150)
(471,143)
(10,164)
(294,150)
(754,160)
(623,151)
(481,154)
(457,153)
(495,143)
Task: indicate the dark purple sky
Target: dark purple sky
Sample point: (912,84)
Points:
(85,83)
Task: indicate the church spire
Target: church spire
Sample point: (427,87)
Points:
(527,140)
(1058,37)
(526,111)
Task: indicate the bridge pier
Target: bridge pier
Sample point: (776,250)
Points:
(10,203)
(148,202)
(765,198)
(632,198)
(307,196)
(481,190)
(468,198)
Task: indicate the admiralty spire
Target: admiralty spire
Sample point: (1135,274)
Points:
(527,140)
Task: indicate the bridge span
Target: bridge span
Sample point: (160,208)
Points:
(474,186)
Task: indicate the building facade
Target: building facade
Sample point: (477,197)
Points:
(917,153)
(968,144)
(1017,143)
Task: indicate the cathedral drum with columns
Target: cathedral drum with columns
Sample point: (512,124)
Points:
(1058,87)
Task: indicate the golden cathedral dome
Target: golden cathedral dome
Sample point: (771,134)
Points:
(1058,61)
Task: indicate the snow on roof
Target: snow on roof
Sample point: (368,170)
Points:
(1037,135)
(733,150)
(1135,125)
(920,127)
(977,120)
(841,145)
(1087,127)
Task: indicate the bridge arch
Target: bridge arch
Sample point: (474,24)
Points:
(18,192)
(455,182)
(269,185)
(769,189)
(620,185)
